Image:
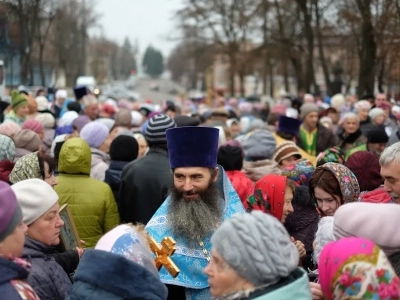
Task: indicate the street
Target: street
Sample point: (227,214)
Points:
(165,86)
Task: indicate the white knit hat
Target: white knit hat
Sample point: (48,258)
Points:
(373,113)
(35,198)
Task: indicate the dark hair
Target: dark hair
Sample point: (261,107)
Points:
(285,135)
(273,118)
(44,158)
(325,180)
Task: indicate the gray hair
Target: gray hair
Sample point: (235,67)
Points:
(323,236)
(351,115)
(89,100)
(390,154)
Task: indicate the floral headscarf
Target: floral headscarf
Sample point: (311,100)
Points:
(331,155)
(355,268)
(269,195)
(300,171)
(27,167)
(347,180)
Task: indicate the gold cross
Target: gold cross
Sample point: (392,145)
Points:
(163,253)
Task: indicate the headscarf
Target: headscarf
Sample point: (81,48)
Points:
(300,171)
(269,195)
(27,167)
(349,186)
(333,154)
(355,268)
(7,148)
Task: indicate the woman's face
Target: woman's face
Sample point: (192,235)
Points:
(287,161)
(23,111)
(363,114)
(287,205)
(49,176)
(47,228)
(326,203)
(222,279)
(351,125)
(142,147)
(13,244)
(379,120)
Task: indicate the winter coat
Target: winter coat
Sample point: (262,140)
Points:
(105,275)
(242,185)
(348,142)
(48,140)
(99,165)
(19,152)
(47,277)
(68,260)
(325,139)
(295,286)
(90,201)
(255,170)
(365,126)
(12,117)
(113,178)
(13,281)
(395,136)
(144,186)
(6,167)
(376,196)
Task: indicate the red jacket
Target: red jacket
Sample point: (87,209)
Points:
(243,185)
(376,196)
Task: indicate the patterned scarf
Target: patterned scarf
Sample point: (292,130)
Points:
(355,268)
(7,148)
(24,290)
(309,140)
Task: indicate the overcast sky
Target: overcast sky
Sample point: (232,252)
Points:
(148,21)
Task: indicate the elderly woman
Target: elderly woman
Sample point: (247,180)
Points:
(253,257)
(331,186)
(362,109)
(39,204)
(13,270)
(351,137)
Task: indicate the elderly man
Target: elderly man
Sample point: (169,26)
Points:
(200,199)
(390,166)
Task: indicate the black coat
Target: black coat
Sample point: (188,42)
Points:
(113,178)
(325,139)
(144,186)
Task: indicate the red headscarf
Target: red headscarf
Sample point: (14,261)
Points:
(269,195)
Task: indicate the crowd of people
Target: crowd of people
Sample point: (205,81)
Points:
(292,199)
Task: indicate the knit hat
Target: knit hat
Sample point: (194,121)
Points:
(334,154)
(124,240)
(42,103)
(259,145)
(123,118)
(182,121)
(17,100)
(376,222)
(10,211)
(67,118)
(377,135)
(27,139)
(61,94)
(230,157)
(365,165)
(33,125)
(47,120)
(35,198)
(124,148)
(80,122)
(308,108)
(27,167)
(137,118)
(7,148)
(286,150)
(9,128)
(279,108)
(375,112)
(257,247)
(362,104)
(94,133)
(108,109)
(300,172)
(156,127)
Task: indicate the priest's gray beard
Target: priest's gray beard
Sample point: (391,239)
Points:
(195,218)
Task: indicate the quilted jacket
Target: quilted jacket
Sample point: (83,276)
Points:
(91,201)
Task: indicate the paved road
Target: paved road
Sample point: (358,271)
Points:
(143,87)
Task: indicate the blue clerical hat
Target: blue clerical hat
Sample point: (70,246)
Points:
(192,146)
(80,92)
(289,125)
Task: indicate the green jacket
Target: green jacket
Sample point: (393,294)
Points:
(91,201)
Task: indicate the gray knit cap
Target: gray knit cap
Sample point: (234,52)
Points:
(307,108)
(257,247)
(156,127)
(261,144)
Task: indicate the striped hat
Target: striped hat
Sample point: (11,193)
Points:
(156,127)
(286,150)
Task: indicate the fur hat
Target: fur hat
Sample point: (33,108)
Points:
(230,157)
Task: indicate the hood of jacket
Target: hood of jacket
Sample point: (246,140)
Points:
(75,157)
(119,276)
(255,170)
(6,167)
(10,270)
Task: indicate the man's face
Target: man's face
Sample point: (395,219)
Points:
(377,148)
(351,125)
(379,99)
(391,177)
(196,204)
(311,120)
(92,111)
